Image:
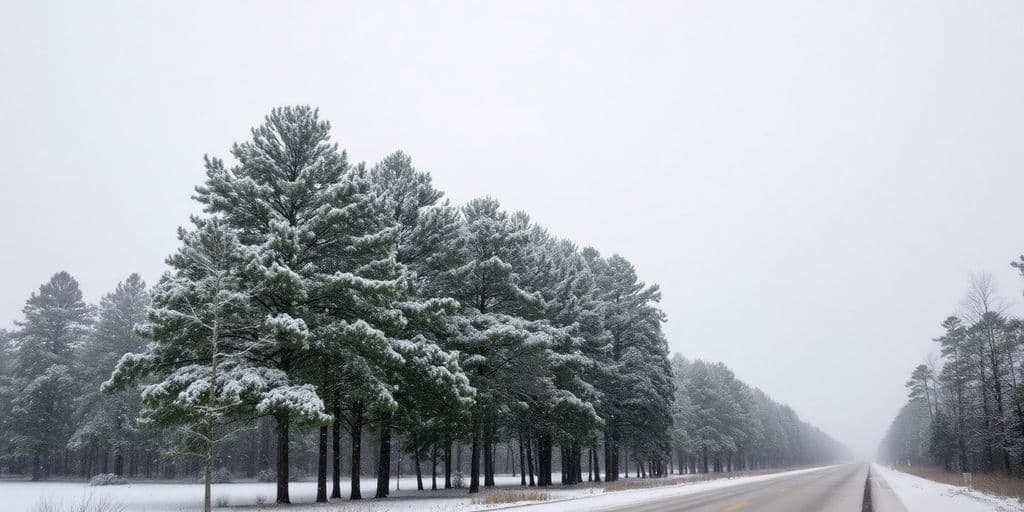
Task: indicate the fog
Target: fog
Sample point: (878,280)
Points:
(811,184)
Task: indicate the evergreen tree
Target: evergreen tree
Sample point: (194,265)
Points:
(955,375)
(942,441)
(324,252)
(206,331)
(637,360)
(920,386)
(56,321)
(109,421)
(433,387)
(561,276)
(495,343)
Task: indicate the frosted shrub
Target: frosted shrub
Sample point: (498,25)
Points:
(222,476)
(266,475)
(107,479)
(457,479)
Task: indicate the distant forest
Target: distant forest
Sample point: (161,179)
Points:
(323,318)
(966,409)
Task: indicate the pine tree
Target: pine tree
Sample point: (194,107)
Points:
(638,360)
(7,393)
(206,330)
(55,324)
(433,389)
(920,386)
(558,272)
(324,253)
(109,420)
(942,441)
(955,375)
(495,342)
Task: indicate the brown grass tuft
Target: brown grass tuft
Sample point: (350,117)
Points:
(503,497)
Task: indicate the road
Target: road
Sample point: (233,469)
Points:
(838,489)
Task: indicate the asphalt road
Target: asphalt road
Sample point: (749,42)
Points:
(838,489)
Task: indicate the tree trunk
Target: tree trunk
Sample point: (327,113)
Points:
(336,450)
(529,460)
(321,467)
(282,458)
(474,479)
(448,464)
(488,454)
(357,440)
(522,462)
(433,467)
(544,460)
(577,454)
(208,466)
(211,401)
(419,473)
(384,461)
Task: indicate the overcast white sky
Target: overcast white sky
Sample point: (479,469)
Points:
(810,182)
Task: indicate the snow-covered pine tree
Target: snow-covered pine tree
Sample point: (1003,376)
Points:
(431,388)
(638,359)
(108,421)
(955,376)
(567,415)
(324,254)
(56,320)
(6,353)
(208,335)
(504,354)
(7,390)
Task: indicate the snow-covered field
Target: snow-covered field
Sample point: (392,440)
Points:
(18,496)
(922,495)
(174,497)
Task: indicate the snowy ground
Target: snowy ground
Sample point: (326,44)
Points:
(175,497)
(921,495)
(22,496)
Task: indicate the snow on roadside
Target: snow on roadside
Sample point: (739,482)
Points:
(923,495)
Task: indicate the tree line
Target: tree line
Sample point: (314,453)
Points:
(965,410)
(722,424)
(316,301)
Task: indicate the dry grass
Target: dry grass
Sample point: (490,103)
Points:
(363,507)
(503,497)
(647,483)
(90,503)
(999,485)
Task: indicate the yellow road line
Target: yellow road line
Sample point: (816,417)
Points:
(736,507)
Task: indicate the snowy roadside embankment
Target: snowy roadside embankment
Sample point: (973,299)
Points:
(167,497)
(618,498)
(922,495)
